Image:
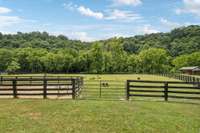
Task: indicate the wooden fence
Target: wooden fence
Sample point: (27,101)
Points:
(40,86)
(162,89)
(103,89)
(185,78)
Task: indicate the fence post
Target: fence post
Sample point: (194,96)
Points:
(185,77)
(73,89)
(193,80)
(100,89)
(31,80)
(198,82)
(127,89)
(1,80)
(14,88)
(44,88)
(166,91)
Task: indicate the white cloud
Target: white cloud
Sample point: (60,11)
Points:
(190,6)
(169,24)
(9,20)
(70,6)
(83,36)
(10,23)
(88,12)
(147,29)
(5,10)
(5,20)
(122,15)
(127,2)
(75,35)
(115,14)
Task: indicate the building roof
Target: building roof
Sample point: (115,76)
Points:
(192,68)
(197,70)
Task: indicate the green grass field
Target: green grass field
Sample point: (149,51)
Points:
(100,115)
(90,116)
(119,77)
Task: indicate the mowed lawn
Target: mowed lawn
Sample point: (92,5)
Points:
(100,115)
(90,116)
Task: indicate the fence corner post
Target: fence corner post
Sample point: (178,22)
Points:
(127,89)
(73,88)
(166,91)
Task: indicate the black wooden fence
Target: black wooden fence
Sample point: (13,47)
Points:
(162,89)
(40,86)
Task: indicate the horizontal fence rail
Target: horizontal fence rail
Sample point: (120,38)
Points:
(185,78)
(162,89)
(46,87)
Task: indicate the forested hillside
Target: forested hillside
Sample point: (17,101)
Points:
(154,53)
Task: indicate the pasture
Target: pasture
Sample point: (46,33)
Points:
(92,116)
(106,86)
(118,77)
(101,108)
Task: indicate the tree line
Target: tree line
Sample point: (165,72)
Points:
(95,60)
(38,52)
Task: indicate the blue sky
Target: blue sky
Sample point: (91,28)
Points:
(89,20)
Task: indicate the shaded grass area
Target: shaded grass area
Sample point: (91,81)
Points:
(90,116)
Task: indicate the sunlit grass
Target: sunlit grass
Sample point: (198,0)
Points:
(92,116)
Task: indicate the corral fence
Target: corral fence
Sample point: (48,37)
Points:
(40,87)
(163,90)
(185,78)
(103,89)
(75,88)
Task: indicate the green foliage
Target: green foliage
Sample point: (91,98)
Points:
(97,59)
(154,61)
(40,52)
(132,63)
(13,67)
(6,57)
(187,60)
(184,40)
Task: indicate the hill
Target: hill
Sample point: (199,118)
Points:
(153,53)
(184,40)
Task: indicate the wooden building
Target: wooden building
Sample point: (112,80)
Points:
(191,70)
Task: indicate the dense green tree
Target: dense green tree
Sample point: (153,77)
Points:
(132,63)
(97,59)
(186,60)
(30,59)
(119,56)
(6,57)
(153,53)
(154,61)
(13,67)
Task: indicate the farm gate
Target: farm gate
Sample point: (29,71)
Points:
(103,89)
